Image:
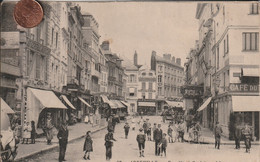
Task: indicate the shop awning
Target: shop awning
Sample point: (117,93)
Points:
(245,103)
(151,104)
(251,72)
(68,102)
(118,103)
(109,102)
(124,103)
(205,104)
(47,98)
(82,100)
(6,108)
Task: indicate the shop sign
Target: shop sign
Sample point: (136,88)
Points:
(191,91)
(240,87)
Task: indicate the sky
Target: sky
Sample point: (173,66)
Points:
(165,27)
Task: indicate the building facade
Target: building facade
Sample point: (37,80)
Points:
(228,66)
(132,84)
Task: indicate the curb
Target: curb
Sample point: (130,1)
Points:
(55,146)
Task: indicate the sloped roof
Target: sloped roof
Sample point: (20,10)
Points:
(161,59)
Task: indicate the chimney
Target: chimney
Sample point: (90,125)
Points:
(153,61)
(135,59)
(173,59)
(105,45)
(178,61)
(167,56)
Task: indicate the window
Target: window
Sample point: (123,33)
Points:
(226,46)
(143,74)
(250,41)
(150,74)
(160,68)
(159,90)
(217,57)
(57,40)
(254,8)
(143,86)
(150,85)
(143,95)
(159,78)
(132,78)
(52,32)
(150,96)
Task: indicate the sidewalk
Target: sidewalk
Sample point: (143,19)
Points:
(207,137)
(76,131)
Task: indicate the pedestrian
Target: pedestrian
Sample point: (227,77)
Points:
(237,135)
(110,125)
(133,123)
(33,132)
(26,132)
(140,138)
(169,131)
(49,127)
(181,129)
(17,132)
(145,127)
(126,127)
(149,131)
(247,132)
(218,131)
(163,145)
(197,129)
(114,120)
(153,130)
(157,137)
(88,146)
(109,144)
(63,140)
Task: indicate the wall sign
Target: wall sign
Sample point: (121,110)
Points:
(191,91)
(239,87)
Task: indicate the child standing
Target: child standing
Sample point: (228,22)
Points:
(149,132)
(170,134)
(126,127)
(88,146)
(141,142)
(163,144)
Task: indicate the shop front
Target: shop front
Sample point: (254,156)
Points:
(41,102)
(246,110)
(146,107)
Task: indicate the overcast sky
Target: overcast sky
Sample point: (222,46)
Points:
(165,27)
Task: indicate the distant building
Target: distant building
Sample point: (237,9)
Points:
(131,70)
(147,91)
(169,76)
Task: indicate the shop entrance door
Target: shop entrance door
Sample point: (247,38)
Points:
(256,125)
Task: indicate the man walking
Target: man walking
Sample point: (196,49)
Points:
(218,131)
(157,137)
(237,136)
(109,143)
(63,141)
(140,138)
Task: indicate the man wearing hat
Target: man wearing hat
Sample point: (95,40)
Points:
(126,127)
(218,131)
(63,140)
(109,143)
(140,138)
(157,137)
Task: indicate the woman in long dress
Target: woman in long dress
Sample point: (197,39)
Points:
(27,132)
(49,127)
(88,146)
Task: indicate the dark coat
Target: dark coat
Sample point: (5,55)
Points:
(158,135)
(88,144)
(140,138)
(108,139)
(126,127)
(164,142)
(238,132)
(218,131)
(63,135)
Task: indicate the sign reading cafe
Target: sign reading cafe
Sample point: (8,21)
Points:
(240,87)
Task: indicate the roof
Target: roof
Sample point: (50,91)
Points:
(128,65)
(161,59)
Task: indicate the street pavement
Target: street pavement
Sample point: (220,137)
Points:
(125,150)
(75,132)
